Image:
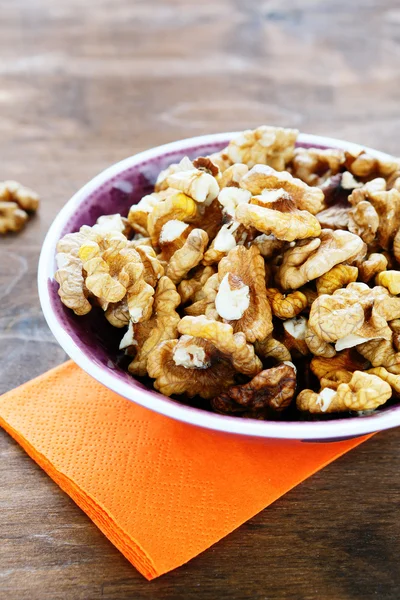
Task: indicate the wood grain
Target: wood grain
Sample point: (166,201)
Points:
(84,84)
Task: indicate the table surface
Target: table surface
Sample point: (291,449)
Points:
(84,84)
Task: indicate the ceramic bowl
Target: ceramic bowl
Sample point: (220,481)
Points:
(93,344)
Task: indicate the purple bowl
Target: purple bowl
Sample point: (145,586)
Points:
(93,343)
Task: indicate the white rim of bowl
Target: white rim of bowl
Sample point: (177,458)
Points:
(302,430)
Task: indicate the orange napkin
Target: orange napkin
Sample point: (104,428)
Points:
(160,490)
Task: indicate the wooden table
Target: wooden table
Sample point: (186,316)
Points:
(84,84)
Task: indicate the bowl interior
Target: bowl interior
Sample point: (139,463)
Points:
(93,343)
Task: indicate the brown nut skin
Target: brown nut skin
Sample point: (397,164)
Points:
(248,266)
(390,378)
(271,389)
(171,378)
(286,306)
(233,346)
(317,345)
(381,353)
(204,163)
(333,379)
(272,348)
(374,264)
(188,257)
(188,288)
(314,166)
(334,217)
(338,277)
(287,226)
(265,145)
(161,326)
(363,392)
(347,360)
(294,336)
(262,177)
(308,260)
(363,220)
(153,269)
(205,300)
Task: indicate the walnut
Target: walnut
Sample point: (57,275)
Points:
(226,239)
(195,183)
(396,245)
(232,176)
(230,344)
(232,197)
(333,379)
(162,325)
(12,191)
(381,353)
(242,299)
(387,208)
(334,217)
(374,264)
(317,345)
(390,280)
(268,245)
(138,213)
(188,257)
(364,166)
(172,237)
(262,177)
(204,300)
(286,306)
(12,218)
(352,315)
(314,166)
(363,220)
(265,145)
(209,218)
(70,279)
(390,378)
(110,266)
(172,364)
(204,163)
(184,165)
(289,224)
(348,360)
(153,269)
(16,202)
(117,313)
(177,207)
(221,159)
(363,392)
(188,288)
(271,389)
(272,348)
(310,259)
(294,336)
(338,277)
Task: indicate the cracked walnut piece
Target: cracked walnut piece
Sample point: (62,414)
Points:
(265,145)
(271,389)
(314,166)
(338,277)
(162,325)
(286,306)
(262,177)
(188,257)
(279,217)
(16,202)
(242,298)
(363,392)
(310,259)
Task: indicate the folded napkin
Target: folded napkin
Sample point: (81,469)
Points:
(160,490)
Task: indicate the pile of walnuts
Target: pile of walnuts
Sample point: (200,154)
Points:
(248,265)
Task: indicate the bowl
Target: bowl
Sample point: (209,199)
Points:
(94,348)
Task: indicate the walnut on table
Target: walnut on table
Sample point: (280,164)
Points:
(17,202)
